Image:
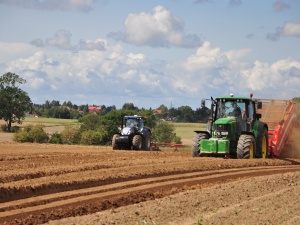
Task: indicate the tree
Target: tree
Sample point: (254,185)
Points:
(186,114)
(14,102)
(165,132)
(129,106)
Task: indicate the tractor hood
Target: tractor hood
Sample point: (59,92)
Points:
(226,120)
(128,130)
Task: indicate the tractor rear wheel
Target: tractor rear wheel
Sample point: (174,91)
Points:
(262,144)
(196,148)
(137,142)
(246,147)
(147,142)
(113,142)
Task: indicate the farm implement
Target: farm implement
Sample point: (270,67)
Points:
(245,128)
(281,117)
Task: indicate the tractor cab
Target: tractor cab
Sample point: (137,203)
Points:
(229,110)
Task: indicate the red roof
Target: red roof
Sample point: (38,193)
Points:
(94,108)
(157,111)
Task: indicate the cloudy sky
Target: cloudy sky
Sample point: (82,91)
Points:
(171,52)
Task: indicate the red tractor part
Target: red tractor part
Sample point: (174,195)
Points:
(281,118)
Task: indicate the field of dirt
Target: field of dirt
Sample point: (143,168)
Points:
(68,184)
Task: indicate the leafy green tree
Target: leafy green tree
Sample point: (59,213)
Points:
(70,135)
(186,114)
(31,133)
(14,102)
(75,114)
(129,106)
(150,117)
(202,114)
(90,122)
(165,132)
(47,105)
(86,108)
(56,138)
(163,108)
(173,113)
(54,103)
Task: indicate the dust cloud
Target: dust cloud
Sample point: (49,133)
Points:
(292,147)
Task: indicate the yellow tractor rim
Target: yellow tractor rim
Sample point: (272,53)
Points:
(264,148)
(251,153)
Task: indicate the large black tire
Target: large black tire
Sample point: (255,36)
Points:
(113,142)
(137,142)
(262,144)
(246,147)
(196,149)
(147,142)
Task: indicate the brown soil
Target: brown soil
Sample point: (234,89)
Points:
(64,184)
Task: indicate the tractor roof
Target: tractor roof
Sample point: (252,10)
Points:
(228,97)
(134,117)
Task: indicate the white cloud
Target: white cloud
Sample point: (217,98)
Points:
(37,82)
(288,29)
(274,80)
(212,71)
(62,40)
(11,51)
(135,59)
(102,76)
(89,45)
(51,5)
(280,6)
(206,57)
(291,29)
(37,42)
(160,29)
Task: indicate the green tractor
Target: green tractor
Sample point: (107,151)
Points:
(234,130)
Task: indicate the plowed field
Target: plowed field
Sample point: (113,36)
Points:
(63,184)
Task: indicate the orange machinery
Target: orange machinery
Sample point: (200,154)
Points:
(281,118)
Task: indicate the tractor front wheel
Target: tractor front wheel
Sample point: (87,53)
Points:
(113,142)
(137,142)
(196,148)
(246,147)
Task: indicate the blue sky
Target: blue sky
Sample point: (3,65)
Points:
(171,52)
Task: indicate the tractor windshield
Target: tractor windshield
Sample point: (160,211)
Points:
(233,108)
(227,108)
(132,123)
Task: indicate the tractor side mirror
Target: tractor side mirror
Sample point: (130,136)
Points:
(202,103)
(259,105)
(258,116)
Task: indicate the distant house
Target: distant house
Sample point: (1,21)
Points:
(94,109)
(157,111)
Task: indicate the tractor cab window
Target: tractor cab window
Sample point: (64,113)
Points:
(237,108)
(230,108)
(251,111)
(132,123)
(141,123)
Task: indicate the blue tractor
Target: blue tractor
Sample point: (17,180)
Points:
(133,134)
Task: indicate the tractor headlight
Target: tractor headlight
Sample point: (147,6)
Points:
(127,130)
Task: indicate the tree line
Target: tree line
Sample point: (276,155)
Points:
(68,110)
